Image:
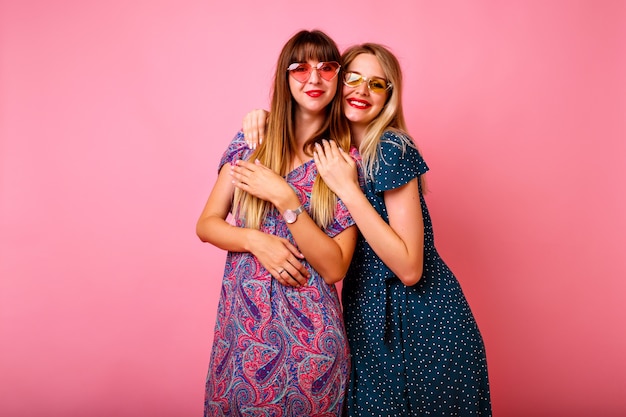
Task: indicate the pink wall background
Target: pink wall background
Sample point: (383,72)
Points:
(113,116)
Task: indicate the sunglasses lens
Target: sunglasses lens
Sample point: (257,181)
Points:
(328,70)
(378,85)
(352,79)
(300,72)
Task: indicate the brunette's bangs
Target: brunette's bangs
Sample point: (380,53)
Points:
(315,51)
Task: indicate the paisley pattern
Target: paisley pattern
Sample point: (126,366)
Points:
(277,351)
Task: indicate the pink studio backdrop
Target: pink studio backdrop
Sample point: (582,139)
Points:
(113,116)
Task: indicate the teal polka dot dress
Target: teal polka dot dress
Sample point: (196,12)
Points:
(416,351)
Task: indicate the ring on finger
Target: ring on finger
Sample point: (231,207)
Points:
(281,271)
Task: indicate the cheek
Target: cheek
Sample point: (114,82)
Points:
(333,87)
(345,108)
(293,85)
(379,105)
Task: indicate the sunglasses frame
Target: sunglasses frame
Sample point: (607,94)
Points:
(368,81)
(317,67)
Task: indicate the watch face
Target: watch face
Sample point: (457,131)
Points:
(290,216)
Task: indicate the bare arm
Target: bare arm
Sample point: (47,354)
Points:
(399,244)
(273,252)
(329,256)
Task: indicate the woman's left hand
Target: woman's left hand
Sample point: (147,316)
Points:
(336,167)
(260,181)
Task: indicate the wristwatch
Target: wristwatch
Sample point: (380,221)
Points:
(291,216)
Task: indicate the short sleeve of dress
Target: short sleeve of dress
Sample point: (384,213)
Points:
(237,149)
(399,162)
(343,219)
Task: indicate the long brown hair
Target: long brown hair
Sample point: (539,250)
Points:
(277,150)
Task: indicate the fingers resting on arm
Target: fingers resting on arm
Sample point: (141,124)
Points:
(336,167)
(254,127)
(262,182)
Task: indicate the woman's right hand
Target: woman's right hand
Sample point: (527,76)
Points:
(281,258)
(337,168)
(254,127)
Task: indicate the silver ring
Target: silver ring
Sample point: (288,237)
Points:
(281,271)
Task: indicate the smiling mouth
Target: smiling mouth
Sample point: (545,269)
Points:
(358,104)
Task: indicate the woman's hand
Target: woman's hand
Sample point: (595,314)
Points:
(254,127)
(280,258)
(337,168)
(277,255)
(260,181)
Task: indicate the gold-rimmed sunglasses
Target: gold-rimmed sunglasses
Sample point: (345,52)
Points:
(375,84)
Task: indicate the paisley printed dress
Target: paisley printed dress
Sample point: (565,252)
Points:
(277,351)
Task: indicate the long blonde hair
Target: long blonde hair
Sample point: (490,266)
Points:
(279,147)
(391,117)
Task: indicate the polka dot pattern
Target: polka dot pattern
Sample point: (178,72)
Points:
(417,351)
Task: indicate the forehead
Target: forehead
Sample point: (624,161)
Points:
(367,65)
